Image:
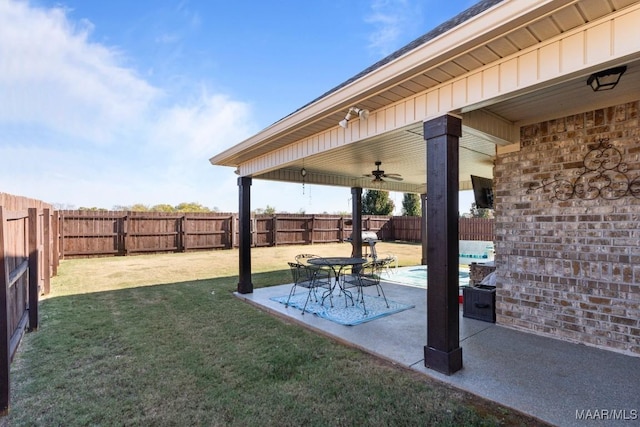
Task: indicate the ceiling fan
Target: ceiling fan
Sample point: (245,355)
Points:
(378,175)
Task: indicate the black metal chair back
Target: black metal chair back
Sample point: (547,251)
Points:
(306,276)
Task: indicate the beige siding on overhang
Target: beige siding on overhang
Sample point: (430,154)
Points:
(574,53)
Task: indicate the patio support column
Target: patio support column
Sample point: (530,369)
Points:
(356,216)
(423,229)
(244,231)
(443,352)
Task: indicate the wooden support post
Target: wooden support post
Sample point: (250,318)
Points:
(443,352)
(245,286)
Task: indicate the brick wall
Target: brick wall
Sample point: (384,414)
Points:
(569,257)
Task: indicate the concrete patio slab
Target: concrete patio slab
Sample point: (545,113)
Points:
(555,381)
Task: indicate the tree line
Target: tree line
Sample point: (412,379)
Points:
(140,207)
(374,202)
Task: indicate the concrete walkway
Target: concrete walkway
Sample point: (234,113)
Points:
(555,381)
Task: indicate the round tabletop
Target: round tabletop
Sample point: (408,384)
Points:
(340,260)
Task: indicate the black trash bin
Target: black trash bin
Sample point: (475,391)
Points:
(479,302)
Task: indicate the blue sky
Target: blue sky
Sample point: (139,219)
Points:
(112,103)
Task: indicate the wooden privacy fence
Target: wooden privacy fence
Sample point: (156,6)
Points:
(296,229)
(90,233)
(407,228)
(477,229)
(25,244)
(28,260)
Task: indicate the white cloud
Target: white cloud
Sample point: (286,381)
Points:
(94,131)
(203,126)
(192,17)
(392,20)
(55,77)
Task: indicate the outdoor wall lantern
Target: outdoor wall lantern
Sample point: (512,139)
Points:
(607,79)
(352,113)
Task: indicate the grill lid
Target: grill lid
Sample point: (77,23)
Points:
(367,235)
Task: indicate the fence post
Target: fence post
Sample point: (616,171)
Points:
(5,335)
(55,243)
(46,251)
(311,228)
(125,229)
(232,231)
(61,236)
(274,230)
(182,245)
(33,269)
(253,232)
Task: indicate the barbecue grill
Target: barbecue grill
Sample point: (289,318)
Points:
(369,240)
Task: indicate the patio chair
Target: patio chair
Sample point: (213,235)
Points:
(302,258)
(306,276)
(368,275)
(324,271)
(389,264)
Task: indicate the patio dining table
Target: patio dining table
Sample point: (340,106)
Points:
(337,266)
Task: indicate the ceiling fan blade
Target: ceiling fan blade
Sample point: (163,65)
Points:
(393,178)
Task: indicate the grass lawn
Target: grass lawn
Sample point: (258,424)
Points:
(161,340)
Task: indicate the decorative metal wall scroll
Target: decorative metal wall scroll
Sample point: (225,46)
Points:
(603,175)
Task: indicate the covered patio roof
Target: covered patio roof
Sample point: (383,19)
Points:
(455,99)
(499,65)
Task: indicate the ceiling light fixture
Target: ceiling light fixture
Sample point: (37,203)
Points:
(607,79)
(377,182)
(352,113)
